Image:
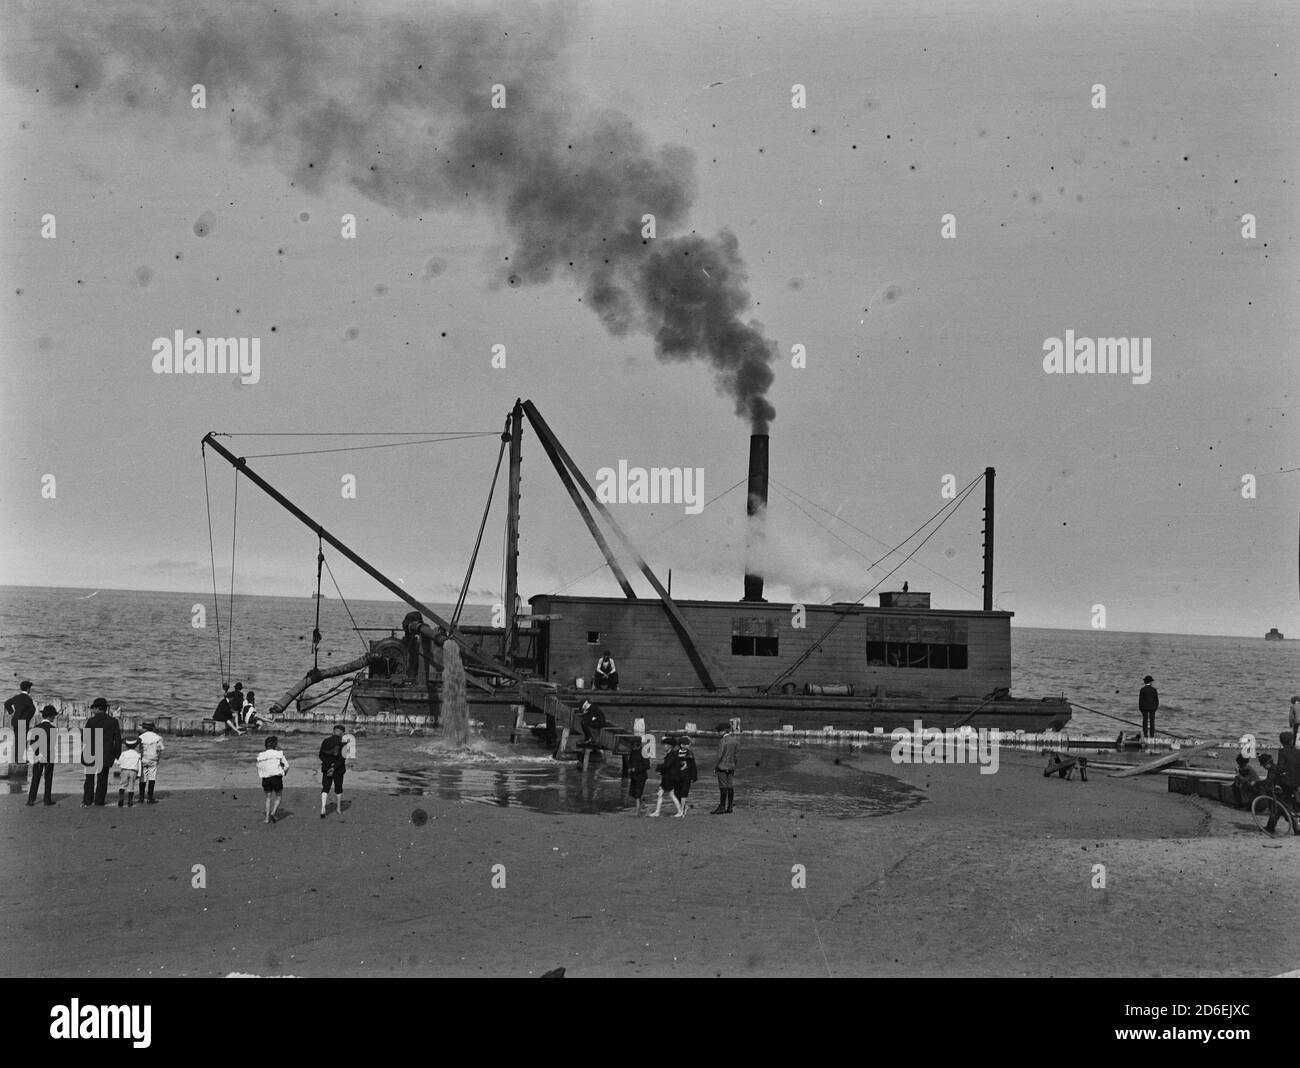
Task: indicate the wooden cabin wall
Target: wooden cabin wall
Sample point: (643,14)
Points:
(641,638)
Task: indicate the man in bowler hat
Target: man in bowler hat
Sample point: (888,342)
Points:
(101,745)
(1148,702)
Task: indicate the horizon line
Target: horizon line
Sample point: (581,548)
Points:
(397,600)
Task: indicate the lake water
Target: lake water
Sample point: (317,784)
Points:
(143,653)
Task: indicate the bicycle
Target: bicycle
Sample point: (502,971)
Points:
(1272,808)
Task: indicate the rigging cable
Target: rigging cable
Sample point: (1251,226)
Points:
(951,507)
(1099,712)
(362,448)
(657,534)
(346,608)
(473,558)
(212,557)
(867,534)
(230,629)
(315,632)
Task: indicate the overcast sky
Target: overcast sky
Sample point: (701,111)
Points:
(925,354)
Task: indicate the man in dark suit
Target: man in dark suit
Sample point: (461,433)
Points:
(42,741)
(1148,702)
(101,745)
(21,708)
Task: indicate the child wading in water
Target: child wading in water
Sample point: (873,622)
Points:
(271,766)
(638,768)
(677,772)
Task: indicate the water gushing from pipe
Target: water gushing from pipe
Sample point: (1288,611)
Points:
(455,706)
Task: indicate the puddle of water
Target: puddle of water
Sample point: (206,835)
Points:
(772,778)
(563,789)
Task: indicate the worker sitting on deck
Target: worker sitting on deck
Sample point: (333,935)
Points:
(593,720)
(606,672)
(1284,775)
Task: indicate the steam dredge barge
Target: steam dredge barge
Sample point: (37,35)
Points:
(851,667)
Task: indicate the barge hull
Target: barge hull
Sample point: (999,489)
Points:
(670,711)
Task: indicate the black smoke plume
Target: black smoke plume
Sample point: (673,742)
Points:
(395,102)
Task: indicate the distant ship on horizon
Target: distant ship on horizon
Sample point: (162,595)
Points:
(1274,635)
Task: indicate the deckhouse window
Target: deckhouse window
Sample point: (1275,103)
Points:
(935,644)
(754,637)
(916,655)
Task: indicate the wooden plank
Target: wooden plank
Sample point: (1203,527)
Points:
(1167,759)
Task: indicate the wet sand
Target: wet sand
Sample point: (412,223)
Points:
(925,870)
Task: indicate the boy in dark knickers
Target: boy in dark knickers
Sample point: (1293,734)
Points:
(271,768)
(332,768)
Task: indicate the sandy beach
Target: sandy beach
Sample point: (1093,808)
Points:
(986,875)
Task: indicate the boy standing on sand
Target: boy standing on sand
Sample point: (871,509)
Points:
(333,765)
(129,764)
(151,747)
(725,768)
(271,766)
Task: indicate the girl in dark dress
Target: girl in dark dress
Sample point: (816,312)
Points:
(669,774)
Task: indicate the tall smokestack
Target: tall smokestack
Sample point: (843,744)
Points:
(756,510)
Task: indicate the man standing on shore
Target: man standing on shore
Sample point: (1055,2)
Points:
(21,708)
(725,768)
(101,745)
(1148,702)
(43,745)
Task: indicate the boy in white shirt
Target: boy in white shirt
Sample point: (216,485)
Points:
(128,763)
(271,766)
(151,747)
